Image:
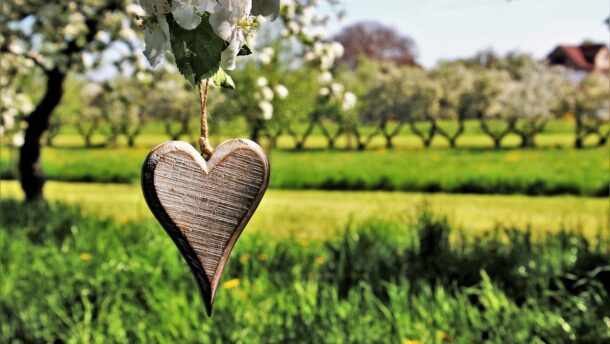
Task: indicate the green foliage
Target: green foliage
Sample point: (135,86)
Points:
(223,79)
(197,52)
(68,277)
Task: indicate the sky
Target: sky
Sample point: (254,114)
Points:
(448,29)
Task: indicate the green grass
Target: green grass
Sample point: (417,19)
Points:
(73,278)
(319,214)
(543,171)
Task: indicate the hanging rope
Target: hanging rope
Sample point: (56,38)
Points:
(204,143)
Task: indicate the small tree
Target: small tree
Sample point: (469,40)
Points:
(88,119)
(532,101)
(172,102)
(334,107)
(422,106)
(58,37)
(382,86)
(455,82)
(482,102)
(588,101)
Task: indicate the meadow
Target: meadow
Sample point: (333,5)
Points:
(466,255)
(69,277)
(554,168)
(289,213)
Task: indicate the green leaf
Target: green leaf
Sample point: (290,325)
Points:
(244,51)
(197,51)
(223,79)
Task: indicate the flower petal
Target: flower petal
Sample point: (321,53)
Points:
(184,14)
(157,41)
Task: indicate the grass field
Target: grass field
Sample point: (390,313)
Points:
(543,171)
(73,278)
(318,214)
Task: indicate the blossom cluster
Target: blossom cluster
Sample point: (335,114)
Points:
(14,103)
(231,20)
(265,93)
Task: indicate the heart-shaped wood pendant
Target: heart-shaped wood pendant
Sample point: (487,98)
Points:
(205,205)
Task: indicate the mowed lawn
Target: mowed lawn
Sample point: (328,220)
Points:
(319,214)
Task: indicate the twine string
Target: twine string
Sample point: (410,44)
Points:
(204,143)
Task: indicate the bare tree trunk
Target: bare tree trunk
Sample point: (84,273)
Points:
(256,129)
(452,138)
(425,137)
(361,140)
(31,175)
(496,137)
(331,138)
(528,133)
(299,140)
(389,135)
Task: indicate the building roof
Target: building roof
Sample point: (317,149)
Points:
(580,56)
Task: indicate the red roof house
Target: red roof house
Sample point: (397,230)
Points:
(584,57)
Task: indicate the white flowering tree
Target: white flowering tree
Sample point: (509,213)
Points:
(482,102)
(334,109)
(589,101)
(171,102)
(382,86)
(455,82)
(56,38)
(88,118)
(532,101)
(422,105)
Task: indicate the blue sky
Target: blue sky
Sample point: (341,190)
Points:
(445,29)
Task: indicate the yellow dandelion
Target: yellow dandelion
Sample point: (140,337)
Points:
(85,257)
(231,284)
(244,258)
(411,341)
(320,261)
(262,257)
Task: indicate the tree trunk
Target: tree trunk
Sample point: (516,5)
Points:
(528,140)
(497,142)
(31,176)
(131,141)
(255,131)
(452,142)
(603,140)
(87,140)
(388,142)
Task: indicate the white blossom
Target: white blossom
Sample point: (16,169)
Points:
(325,78)
(267,93)
(231,22)
(261,81)
(281,91)
(187,12)
(349,101)
(18,140)
(267,109)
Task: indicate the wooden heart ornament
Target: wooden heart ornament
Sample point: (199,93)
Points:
(205,205)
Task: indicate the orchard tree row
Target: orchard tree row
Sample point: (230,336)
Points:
(383,101)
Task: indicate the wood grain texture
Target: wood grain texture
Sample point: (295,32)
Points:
(204,206)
